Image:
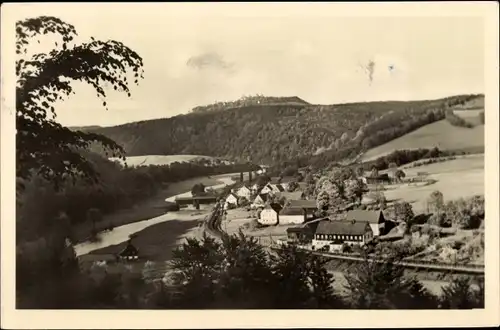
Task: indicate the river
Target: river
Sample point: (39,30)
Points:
(121,234)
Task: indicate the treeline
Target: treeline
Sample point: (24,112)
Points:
(40,204)
(270,134)
(246,101)
(403,157)
(237,273)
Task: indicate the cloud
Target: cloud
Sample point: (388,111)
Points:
(209,60)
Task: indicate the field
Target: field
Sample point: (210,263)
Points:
(462,177)
(156,242)
(440,134)
(160,159)
(241,219)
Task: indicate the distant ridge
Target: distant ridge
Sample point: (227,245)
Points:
(280,129)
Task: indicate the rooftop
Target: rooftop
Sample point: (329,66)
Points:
(285,179)
(295,195)
(342,227)
(292,211)
(364,215)
(302,204)
(273,206)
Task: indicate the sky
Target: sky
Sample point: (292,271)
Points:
(196,54)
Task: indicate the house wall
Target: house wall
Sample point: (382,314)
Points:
(377,228)
(291,219)
(244,193)
(231,199)
(268,217)
(266,190)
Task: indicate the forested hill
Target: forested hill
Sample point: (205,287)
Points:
(278,132)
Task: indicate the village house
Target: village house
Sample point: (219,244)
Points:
(260,200)
(130,252)
(303,233)
(289,196)
(276,188)
(333,234)
(267,189)
(282,181)
(231,201)
(269,216)
(244,191)
(290,216)
(380,179)
(376,219)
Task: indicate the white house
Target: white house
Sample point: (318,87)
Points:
(231,199)
(244,191)
(290,216)
(269,216)
(334,234)
(276,188)
(374,218)
(267,189)
(260,200)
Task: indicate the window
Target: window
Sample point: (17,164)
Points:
(334,236)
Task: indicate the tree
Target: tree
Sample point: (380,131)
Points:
(355,190)
(403,211)
(263,179)
(393,168)
(198,189)
(383,285)
(399,175)
(292,186)
(461,295)
(43,145)
(435,203)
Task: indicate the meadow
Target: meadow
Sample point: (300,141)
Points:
(440,134)
(461,177)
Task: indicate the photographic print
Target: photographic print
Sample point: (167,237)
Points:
(244,157)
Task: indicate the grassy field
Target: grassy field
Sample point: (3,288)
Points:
(440,134)
(149,208)
(160,159)
(462,177)
(156,242)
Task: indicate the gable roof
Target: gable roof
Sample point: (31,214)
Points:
(277,186)
(292,211)
(273,206)
(245,186)
(232,194)
(365,215)
(263,197)
(302,204)
(291,195)
(342,227)
(285,179)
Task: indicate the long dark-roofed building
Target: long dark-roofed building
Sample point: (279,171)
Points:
(335,233)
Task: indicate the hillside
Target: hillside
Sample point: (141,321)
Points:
(440,134)
(279,132)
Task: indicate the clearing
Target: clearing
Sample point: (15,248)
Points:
(440,134)
(240,218)
(461,177)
